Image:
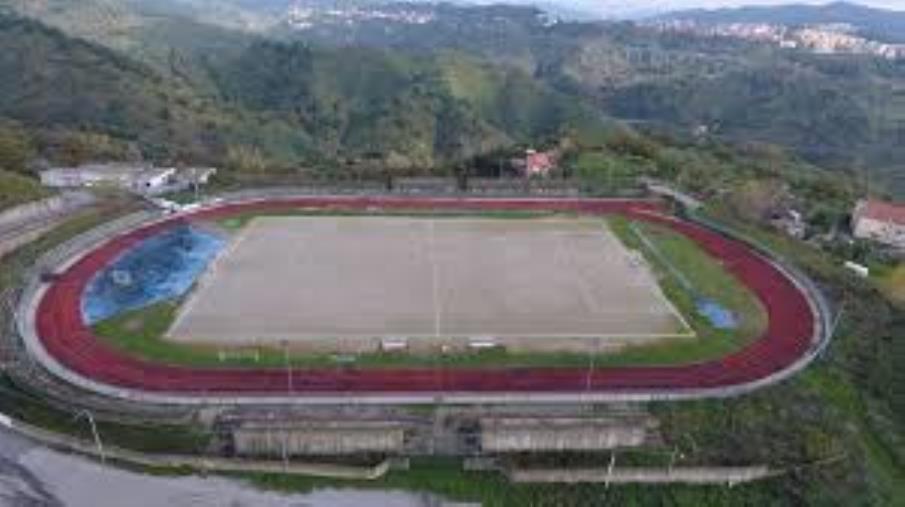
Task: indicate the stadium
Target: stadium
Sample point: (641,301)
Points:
(402,299)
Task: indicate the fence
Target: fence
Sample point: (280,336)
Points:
(439,186)
(685,475)
(198,463)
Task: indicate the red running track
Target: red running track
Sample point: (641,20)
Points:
(787,338)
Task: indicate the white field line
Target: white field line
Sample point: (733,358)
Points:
(655,288)
(203,282)
(434,289)
(582,286)
(301,339)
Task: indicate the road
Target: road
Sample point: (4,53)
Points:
(19,228)
(34,476)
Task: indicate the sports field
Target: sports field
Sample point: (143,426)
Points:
(349,281)
(130,354)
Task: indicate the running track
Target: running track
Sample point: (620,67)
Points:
(789,335)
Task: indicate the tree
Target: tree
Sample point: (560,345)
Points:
(245,159)
(755,200)
(15,148)
(626,142)
(80,147)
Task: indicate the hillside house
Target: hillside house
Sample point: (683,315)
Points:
(536,163)
(879,221)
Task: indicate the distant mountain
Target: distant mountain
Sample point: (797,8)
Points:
(53,82)
(882,25)
(429,84)
(204,91)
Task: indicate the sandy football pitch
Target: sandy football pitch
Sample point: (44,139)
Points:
(309,279)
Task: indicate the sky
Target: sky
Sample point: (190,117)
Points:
(627,8)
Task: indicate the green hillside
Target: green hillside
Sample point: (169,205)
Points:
(476,78)
(290,102)
(16,189)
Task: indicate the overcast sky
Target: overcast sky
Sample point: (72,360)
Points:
(620,8)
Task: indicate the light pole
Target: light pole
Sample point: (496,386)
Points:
(94,432)
(675,454)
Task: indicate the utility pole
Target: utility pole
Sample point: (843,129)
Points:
(285,450)
(675,454)
(94,432)
(609,470)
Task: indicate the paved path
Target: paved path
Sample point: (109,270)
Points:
(28,222)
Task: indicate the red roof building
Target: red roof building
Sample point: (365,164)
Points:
(539,163)
(879,221)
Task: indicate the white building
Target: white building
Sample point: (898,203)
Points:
(152,179)
(89,175)
(197,175)
(136,177)
(879,221)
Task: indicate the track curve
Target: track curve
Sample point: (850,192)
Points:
(795,330)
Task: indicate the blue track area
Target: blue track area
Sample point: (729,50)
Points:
(719,316)
(161,267)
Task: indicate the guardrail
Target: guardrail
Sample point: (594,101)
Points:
(642,475)
(196,463)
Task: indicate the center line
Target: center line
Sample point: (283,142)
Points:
(433,261)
